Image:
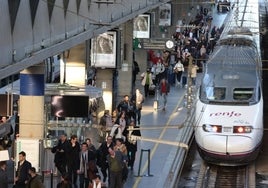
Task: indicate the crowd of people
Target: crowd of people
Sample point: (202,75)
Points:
(196,39)
(75,161)
(117,151)
(110,160)
(193,41)
(107,164)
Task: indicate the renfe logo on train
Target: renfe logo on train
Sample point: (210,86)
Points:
(227,114)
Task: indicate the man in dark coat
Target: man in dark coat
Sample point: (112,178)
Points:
(85,173)
(131,144)
(22,173)
(102,152)
(128,107)
(72,156)
(60,154)
(3,175)
(35,180)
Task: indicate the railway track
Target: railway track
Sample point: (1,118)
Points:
(211,176)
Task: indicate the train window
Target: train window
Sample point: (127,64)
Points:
(243,93)
(215,93)
(3,82)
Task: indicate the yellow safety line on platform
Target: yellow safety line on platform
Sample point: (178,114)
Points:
(156,145)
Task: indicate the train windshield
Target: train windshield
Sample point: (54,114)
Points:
(243,94)
(215,93)
(225,95)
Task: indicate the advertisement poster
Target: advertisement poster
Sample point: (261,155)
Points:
(141,27)
(103,50)
(165,15)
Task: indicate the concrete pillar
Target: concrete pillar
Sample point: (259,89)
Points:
(125,73)
(141,58)
(31,108)
(75,60)
(104,79)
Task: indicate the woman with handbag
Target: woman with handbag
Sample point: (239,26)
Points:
(146,81)
(138,99)
(178,70)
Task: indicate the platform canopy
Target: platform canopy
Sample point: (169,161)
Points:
(66,89)
(58,89)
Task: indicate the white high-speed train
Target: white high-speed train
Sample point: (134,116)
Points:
(229,108)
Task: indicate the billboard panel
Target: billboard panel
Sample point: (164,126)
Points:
(141,27)
(103,50)
(165,15)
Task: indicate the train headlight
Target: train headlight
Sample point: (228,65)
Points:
(212,128)
(242,129)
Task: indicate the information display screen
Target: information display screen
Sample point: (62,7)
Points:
(69,106)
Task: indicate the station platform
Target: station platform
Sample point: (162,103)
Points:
(173,125)
(163,128)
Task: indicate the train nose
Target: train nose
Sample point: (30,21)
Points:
(238,144)
(228,145)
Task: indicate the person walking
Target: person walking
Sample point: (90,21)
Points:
(91,147)
(102,152)
(119,127)
(146,81)
(120,146)
(159,71)
(164,90)
(203,53)
(127,107)
(3,175)
(131,144)
(106,122)
(22,172)
(83,166)
(35,180)
(60,155)
(193,73)
(178,70)
(115,161)
(87,164)
(65,182)
(72,156)
(138,100)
